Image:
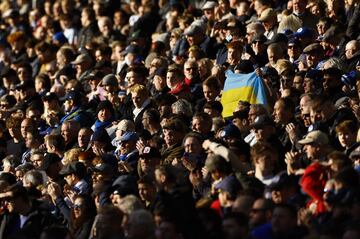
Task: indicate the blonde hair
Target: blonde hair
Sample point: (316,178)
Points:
(290,22)
(139,89)
(71,155)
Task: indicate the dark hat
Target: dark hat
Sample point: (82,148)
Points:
(109,79)
(262,121)
(175,68)
(100,135)
(229,184)
(283,180)
(125,185)
(149,152)
(294,42)
(209,5)
(279,37)
(129,136)
(350,78)
(60,37)
(315,136)
(259,38)
(176,125)
(49,96)
(105,104)
(7,71)
(76,168)
(137,35)
(332,33)
(194,30)
(104,168)
(355,153)
(267,15)
(214,105)
(313,48)
(82,58)
(133,49)
(315,75)
(245,67)
(72,95)
(28,84)
(214,162)
(161,72)
(49,159)
(230,131)
(304,32)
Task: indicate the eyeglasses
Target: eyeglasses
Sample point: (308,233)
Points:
(191,68)
(78,206)
(257,210)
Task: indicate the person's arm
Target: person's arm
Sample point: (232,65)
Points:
(224,152)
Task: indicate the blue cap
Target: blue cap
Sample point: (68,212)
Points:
(60,37)
(230,131)
(129,136)
(229,184)
(303,32)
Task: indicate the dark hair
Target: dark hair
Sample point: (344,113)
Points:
(89,212)
(153,114)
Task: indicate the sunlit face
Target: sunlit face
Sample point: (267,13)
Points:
(192,146)
(79,207)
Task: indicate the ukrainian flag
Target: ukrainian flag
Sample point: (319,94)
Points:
(245,87)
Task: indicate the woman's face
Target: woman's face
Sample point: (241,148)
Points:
(79,207)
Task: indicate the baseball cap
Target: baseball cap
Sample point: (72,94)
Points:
(100,135)
(132,49)
(267,15)
(82,58)
(194,30)
(279,37)
(49,96)
(229,184)
(28,84)
(209,5)
(312,48)
(72,95)
(315,136)
(109,79)
(303,32)
(76,168)
(104,168)
(129,136)
(230,131)
(49,159)
(262,121)
(149,152)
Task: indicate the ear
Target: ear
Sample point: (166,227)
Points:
(162,178)
(244,122)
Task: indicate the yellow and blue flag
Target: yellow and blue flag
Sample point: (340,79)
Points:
(245,87)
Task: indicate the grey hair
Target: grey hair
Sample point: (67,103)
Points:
(130,203)
(182,106)
(34,178)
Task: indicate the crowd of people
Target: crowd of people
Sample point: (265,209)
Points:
(112,122)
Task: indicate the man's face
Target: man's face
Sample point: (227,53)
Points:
(194,40)
(299,6)
(311,150)
(279,113)
(282,221)
(84,19)
(263,133)
(258,213)
(84,138)
(69,179)
(172,80)
(68,105)
(159,82)
(209,93)
(104,115)
(308,85)
(192,145)
(209,14)
(200,126)
(138,99)
(350,50)
(132,79)
(330,82)
(312,59)
(67,133)
(26,127)
(191,70)
(346,139)
(265,161)
(171,137)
